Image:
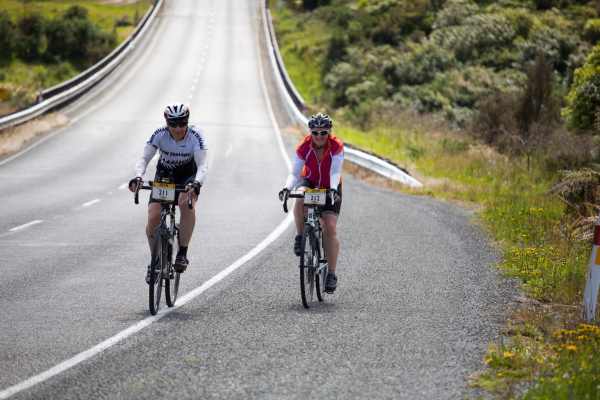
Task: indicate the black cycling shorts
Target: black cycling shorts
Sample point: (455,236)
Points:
(328,207)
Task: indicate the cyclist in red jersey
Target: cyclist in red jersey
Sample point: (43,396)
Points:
(318,164)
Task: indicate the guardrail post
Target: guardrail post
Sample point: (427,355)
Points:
(592,285)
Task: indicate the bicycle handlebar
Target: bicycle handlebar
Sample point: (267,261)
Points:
(178,189)
(298,195)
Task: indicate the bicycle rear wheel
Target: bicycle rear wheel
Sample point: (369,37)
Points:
(307,268)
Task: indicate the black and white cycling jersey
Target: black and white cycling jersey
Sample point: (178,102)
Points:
(188,154)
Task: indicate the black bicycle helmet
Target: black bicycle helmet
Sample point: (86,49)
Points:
(320,121)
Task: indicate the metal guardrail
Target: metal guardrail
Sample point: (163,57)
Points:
(295,106)
(57,95)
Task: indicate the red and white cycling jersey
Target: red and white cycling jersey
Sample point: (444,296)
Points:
(324,172)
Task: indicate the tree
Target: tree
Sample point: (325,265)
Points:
(583,100)
(538,108)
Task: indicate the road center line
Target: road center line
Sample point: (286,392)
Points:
(27,225)
(91,202)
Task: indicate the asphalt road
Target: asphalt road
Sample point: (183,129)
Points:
(418,298)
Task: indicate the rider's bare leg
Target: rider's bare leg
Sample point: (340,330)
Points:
(153,221)
(299,213)
(188,219)
(331,244)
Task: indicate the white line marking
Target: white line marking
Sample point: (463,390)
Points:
(84,355)
(91,202)
(27,225)
(71,362)
(123,186)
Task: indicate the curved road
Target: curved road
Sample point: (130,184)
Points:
(417,302)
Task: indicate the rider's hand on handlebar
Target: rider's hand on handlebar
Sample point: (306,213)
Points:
(282,193)
(336,195)
(135,183)
(195,186)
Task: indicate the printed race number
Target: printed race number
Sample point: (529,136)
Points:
(163,191)
(315,196)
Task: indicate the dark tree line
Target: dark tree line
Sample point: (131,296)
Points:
(70,37)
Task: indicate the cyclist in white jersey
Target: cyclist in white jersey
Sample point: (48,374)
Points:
(182,151)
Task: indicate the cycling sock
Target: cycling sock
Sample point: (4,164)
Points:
(182,251)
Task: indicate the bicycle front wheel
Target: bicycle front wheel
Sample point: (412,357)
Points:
(155,288)
(172,280)
(171,289)
(307,268)
(321,272)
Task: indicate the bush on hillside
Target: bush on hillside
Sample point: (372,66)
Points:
(8,38)
(31,37)
(477,35)
(454,13)
(75,37)
(419,64)
(583,100)
(591,31)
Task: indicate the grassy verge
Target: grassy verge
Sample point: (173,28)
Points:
(20,82)
(105,15)
(545,349)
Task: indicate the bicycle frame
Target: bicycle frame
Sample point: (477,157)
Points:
(313,265)
(162,250)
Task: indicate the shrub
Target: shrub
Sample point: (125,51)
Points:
(8,37)
(566,151)
(583,99)
(454,13)
(591,31)
(477,34)
(31,41)
(420,64)
(495,118)
(556,45)
(75,37)
(310,5)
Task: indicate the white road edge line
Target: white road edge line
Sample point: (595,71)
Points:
(27,225)
(91,202)
(87,354)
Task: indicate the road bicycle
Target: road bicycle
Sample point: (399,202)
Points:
(161,271)
(313,265)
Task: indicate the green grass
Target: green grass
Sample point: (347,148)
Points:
(104,15)
(528,223)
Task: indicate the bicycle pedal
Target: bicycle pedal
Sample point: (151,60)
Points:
(323,261)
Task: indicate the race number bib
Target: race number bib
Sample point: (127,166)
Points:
(163,191)
(315,196)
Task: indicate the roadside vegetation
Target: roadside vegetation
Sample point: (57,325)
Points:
(490,103)
(43,43)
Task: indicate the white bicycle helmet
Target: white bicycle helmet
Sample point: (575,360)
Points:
(177,111)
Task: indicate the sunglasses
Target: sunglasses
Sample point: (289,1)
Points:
(320,133)
(176,124)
